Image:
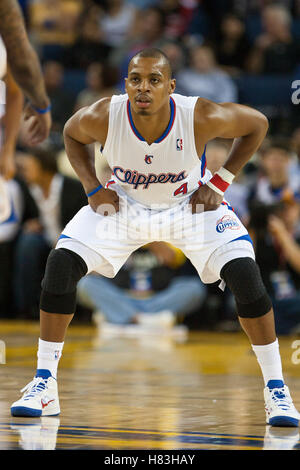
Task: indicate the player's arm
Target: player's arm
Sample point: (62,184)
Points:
(11,122)
(86,126)
(247,126)
(21,56)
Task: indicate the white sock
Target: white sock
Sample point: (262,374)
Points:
(48,356)
(269,359)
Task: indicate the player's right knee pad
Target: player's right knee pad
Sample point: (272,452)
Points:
(63,271)
(242,276)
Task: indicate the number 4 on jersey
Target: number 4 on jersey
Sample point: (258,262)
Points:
(181,190)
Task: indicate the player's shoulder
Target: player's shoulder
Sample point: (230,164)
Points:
(205,110)
(98,111)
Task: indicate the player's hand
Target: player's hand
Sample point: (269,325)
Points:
(36,126)
(104,202)
(7,164)
(277,228)
(205,199)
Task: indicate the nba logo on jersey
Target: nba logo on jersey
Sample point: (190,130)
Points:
(179,144)
(148,159)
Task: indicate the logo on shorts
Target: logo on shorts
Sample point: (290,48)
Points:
(227,221)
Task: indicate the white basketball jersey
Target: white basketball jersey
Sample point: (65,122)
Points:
(163,173)
(3,59)
(3,68)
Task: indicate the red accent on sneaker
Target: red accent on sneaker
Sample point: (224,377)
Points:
(46,404)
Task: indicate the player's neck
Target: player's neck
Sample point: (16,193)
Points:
(153,126)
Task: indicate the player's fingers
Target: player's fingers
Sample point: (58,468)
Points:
(210,207)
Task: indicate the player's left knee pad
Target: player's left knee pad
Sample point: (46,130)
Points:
(242,276)
(63,271)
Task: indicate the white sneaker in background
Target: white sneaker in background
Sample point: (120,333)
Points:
(163,319)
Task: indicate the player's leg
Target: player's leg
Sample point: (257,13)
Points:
(219,246)
(65,267)
(256,317)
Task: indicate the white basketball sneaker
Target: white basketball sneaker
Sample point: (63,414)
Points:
(280,410)
(40,399)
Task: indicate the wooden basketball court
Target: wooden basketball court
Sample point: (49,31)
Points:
(146,393)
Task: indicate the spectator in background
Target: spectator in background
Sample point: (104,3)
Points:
(275,181)
(57,199)
(62,100)
(176,55)
(90,45)
(101,82)
(277,247)
(156,287)
(116,22)
(52,25)
(148,31)
(178,14)
(204,78)
(22,209)
(231,45)
(275,51)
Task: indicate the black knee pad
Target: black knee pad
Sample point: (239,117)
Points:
(242,276)
(63,271)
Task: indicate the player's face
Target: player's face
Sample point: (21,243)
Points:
(148,85)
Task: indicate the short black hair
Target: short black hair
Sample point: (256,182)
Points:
(46,157)
(278,144)
(154,53)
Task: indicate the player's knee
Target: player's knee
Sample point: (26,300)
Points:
(242,276)
(63,271)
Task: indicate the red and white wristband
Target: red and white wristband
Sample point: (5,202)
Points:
(221,180)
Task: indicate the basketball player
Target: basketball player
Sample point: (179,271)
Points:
(26,70)
(154,141)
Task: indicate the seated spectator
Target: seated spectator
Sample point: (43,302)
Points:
(156,287)
(62,100)
(178,15)
(57,199)
(275,51)
(100,79)
(116,22)
(176,55)
(231,45)
(148,31)
(277,246)
(275,179)
(205,79)
(90,45)
(52,25)
(21,210)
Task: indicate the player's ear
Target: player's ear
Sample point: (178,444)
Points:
(126,80)
(172,85)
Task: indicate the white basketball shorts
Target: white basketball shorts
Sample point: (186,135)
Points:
(208,239)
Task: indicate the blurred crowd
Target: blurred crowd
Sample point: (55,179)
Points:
(245,51)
